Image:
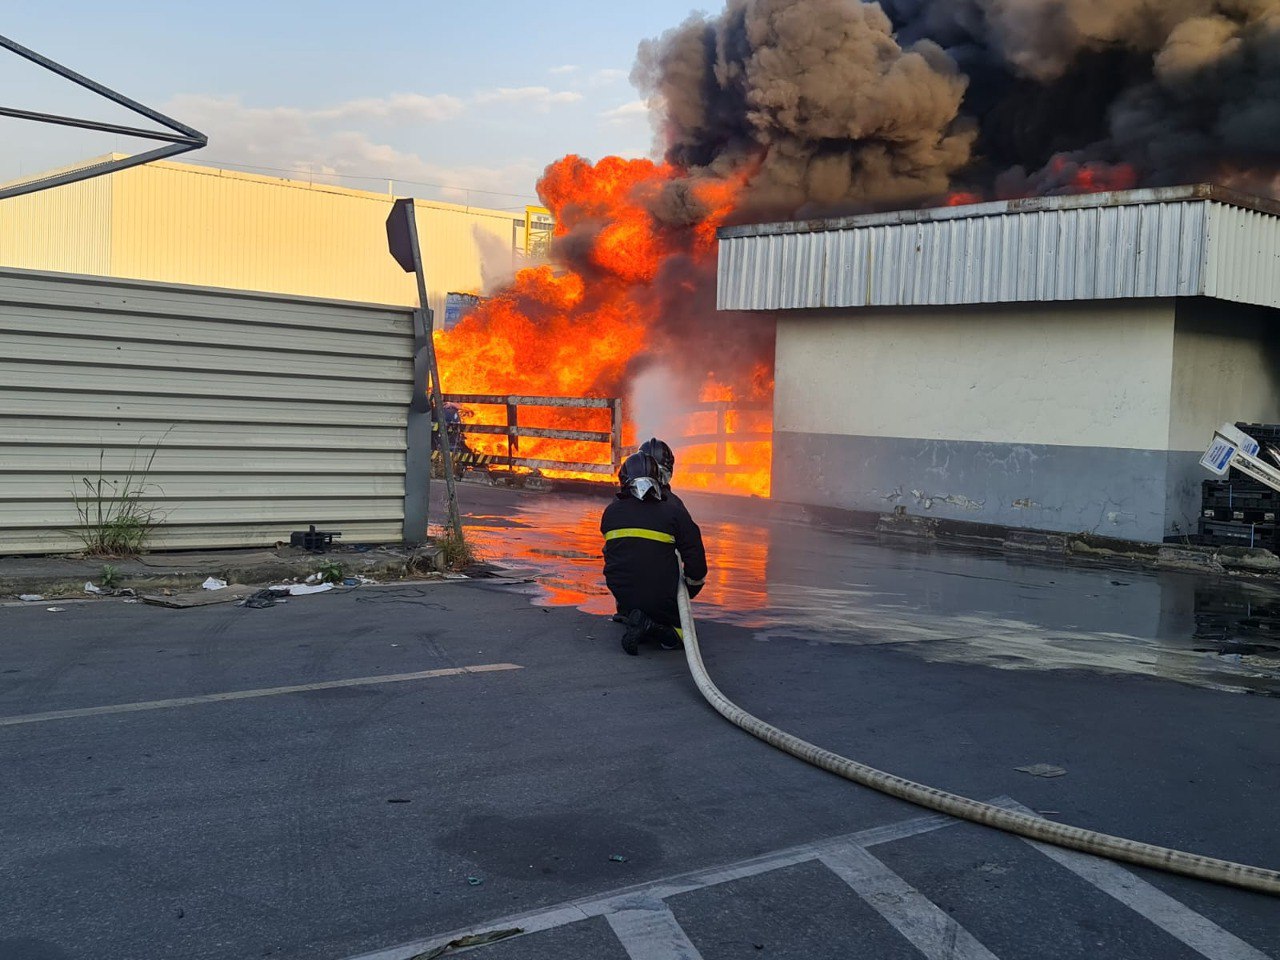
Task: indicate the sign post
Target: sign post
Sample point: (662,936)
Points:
(402,240)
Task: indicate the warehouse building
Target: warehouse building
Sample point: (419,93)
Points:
(182,223)
(1052,363)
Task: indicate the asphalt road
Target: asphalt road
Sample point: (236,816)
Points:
(595,796)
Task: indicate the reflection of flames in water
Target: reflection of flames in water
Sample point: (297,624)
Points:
(563,547)
(585,331)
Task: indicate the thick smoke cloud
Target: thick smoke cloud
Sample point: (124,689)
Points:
(816,99)
(1179,90)
(832,104)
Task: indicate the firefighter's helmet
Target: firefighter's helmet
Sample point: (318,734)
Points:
(639,477)
(663,457)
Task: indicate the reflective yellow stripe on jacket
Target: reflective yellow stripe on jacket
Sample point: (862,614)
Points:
(640,532)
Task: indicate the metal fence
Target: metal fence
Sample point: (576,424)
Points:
(723,436)
(513,431)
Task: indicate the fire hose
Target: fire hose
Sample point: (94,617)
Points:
(1025,825)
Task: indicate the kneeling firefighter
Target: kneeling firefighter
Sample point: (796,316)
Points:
(643,529)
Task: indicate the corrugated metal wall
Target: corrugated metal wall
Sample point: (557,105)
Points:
(1087,253)
(265,413)
(1243,257)
(64,229)
(181,223)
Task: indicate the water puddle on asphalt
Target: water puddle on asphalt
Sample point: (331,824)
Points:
(816,584)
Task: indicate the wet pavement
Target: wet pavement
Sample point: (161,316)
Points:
(787,578)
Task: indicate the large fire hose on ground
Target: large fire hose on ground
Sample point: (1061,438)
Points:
(1011,821)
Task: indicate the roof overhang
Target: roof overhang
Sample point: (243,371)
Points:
(1186,241)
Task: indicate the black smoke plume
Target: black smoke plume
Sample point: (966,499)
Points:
(838,104)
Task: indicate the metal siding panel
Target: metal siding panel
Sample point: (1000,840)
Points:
(257,430)
(179,223)
(1191,247)
(1151,273)
(788,294)
(65,228)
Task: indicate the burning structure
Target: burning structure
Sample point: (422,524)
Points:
(776,110)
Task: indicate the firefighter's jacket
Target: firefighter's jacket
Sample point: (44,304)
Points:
(641,538)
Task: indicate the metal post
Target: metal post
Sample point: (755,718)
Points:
(437,401)
(513,421)
(615,433)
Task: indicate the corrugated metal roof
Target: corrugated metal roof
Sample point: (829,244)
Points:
(1171,242)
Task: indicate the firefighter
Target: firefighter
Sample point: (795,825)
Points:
(643,529)
(453,423)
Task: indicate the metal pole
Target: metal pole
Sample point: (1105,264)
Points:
(615,433)
(181,140)
(442,428)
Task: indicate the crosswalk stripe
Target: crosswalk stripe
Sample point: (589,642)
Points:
(1179,921)
(648,930)
(607,904)
(911,913)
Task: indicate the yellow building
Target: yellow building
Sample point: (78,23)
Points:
(181,223)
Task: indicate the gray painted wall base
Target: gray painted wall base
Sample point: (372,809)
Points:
(1126,494)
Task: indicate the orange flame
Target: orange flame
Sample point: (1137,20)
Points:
(579,331)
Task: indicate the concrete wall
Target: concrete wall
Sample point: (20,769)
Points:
(1051,416)
(263,413)
(1226,368)
(1069,416)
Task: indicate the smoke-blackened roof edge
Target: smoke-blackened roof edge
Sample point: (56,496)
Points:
(999,208)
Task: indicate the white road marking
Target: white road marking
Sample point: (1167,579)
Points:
(649,931)
(1179,921)
(250,694)
(930,930)
(618,901)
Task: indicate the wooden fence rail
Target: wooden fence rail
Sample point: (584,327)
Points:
(513,431)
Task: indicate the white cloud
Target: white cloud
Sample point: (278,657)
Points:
(628,112)
(397,108)
(602,77)
(538,98)
(306,144)
(563,68)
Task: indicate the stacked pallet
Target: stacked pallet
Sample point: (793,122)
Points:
(1238,510)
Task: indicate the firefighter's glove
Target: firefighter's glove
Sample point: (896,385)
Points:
(695,586)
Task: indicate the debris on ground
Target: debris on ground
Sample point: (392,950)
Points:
(90,588)
(301,589)
(30,598)
(199,598)
(213,583)
(57,609)
(617,858)
(475,881)
(472,940)
(1046,770)
(258,601)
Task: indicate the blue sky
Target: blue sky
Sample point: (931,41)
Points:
(474,95)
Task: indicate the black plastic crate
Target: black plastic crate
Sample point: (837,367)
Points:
(1239,495)
(1261,432)
(1234,534)
(1237,515)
